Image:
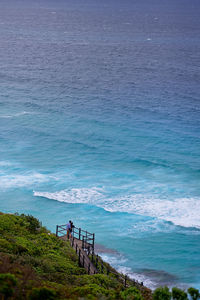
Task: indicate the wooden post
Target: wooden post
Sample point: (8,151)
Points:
(83,261)
(79,233)
(79,257)
(83,242)
(89,269)
(56,230)
(93,243)
(76,248)
(97,261)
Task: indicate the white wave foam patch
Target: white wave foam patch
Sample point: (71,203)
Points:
(118,262)
(148,282)
(84,195)
(17,180)
(16,114)
(182,211)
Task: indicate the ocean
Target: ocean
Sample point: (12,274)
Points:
(100,123)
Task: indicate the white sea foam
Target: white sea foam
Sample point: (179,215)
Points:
(138,277)
(118,262)
(181,211)
(18,180)
(15,114)
(84,195)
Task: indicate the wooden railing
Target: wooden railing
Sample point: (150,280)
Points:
(83,258)
(86,237)
(83,243)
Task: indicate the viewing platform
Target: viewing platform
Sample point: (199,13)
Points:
(83,243)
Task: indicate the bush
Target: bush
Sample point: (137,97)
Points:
(5,245)
(178,294)
(33,223)
(7,283)
(91,290)
(42,293)
(162,293)
(131,293)
(194,293)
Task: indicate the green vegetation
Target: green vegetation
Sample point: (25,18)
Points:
(35,264)
(163,293)
(194,293)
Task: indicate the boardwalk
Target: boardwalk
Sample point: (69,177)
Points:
(83,243)
(83,255)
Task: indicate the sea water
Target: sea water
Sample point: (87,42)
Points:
(100,123)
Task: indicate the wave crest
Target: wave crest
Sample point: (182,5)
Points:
(181,211)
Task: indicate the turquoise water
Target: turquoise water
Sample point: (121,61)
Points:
(99,118)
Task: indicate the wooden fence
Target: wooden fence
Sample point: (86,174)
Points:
(85,237)
(83,243)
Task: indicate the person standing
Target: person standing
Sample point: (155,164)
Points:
(68,229)
(71,228)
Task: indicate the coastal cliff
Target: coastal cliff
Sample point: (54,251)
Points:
(35,264)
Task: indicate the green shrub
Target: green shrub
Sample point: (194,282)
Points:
(7,283)
(131,293)
(162,293)
(42,293)
(5,245)
(178,294)
(33,223)
(99,279)
(194,293)
(92,290)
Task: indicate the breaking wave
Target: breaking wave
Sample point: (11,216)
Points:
(181,211)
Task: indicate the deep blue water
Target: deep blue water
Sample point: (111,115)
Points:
(100,123)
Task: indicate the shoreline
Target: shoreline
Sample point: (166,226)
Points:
(151,278)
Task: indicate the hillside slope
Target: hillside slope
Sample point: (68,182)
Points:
(35,264)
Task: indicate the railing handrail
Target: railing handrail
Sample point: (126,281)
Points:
(65,228)
(88,233)
(83,235)
(96,259)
